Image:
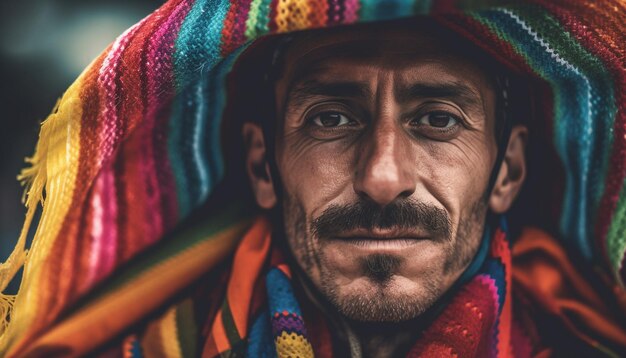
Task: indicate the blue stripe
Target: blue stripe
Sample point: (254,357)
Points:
(260,339)
(199,131)
(176,155)
(186,147)
(197,51)
(386,9)
(280,293)
(198,47)
(217,97)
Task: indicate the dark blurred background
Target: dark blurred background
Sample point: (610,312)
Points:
(44,46)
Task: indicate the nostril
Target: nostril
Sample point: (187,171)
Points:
(381,193)
(406,194)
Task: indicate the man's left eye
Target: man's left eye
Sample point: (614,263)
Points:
(438,120)
(331,119)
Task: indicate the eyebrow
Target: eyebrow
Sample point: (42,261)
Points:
(457,92)
(306,90)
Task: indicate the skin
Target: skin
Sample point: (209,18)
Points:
(384,151)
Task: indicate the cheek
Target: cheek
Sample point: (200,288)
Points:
(316,173)
(313,176)
(456,173)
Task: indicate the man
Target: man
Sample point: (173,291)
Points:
(385,144)
(380,156)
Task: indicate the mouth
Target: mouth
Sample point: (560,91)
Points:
(386,244)
(381,240)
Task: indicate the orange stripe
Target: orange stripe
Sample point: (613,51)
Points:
(219,334)
(247,265)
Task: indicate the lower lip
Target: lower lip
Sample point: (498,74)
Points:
(381,244)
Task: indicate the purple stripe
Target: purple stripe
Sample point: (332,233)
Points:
(288,324)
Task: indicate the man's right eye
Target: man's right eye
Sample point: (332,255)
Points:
(331,119)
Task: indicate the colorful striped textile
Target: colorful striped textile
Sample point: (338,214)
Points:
(134,148)
(260,316)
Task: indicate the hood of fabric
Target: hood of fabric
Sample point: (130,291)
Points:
(135,146)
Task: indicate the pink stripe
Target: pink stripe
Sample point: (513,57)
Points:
(352,11)
(160,92)
(104,227)
(109,219)
(160,50)
(102,253)
(239,29)
(112,131)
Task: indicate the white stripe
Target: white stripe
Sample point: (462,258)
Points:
(197,141)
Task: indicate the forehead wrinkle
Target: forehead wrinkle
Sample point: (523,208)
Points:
(306,90)
(456,91)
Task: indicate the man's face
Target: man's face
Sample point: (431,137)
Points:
(384,153)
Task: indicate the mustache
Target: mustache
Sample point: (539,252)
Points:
(367,215)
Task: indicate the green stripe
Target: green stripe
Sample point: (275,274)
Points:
(186,329)
(237,344)
(422,7)
(258,19)
(229,324)
(616,237)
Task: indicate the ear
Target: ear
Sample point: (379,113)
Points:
(257,166)
(512,172)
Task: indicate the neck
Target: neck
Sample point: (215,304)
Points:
(378,339)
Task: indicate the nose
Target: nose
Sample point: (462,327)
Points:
(383,172)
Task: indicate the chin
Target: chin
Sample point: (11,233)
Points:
(396,299)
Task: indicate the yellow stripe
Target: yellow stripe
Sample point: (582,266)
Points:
(54,165)
(293,345)
(160,338)
(169,335)
(292,15)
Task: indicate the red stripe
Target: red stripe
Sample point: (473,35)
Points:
(233,32)
(273,14)
(484,38)
(318,13)
(239,31)
(441,6)
(142,192)
(228,29)
(335,12)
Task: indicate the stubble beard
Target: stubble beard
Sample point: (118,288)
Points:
(384,302)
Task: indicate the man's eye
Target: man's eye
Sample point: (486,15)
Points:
(331,119)
(438,120)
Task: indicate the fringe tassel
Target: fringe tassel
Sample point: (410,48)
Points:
(6,306)
(33,179)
